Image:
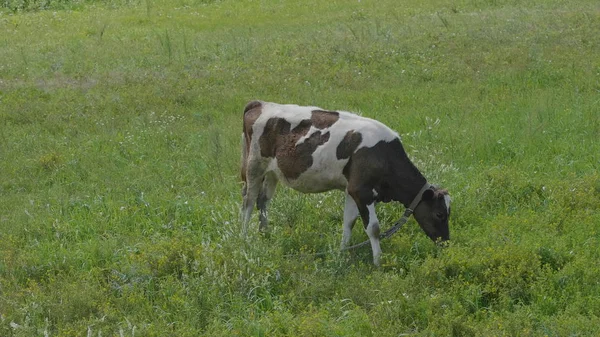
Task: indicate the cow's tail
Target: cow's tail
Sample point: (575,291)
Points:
(244,161)
(244,156)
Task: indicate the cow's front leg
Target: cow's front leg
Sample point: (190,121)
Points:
(372,230)
(350,215)
(365,203)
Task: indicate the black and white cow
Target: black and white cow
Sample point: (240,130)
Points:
(313,150)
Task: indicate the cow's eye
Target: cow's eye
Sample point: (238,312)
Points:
(440,215)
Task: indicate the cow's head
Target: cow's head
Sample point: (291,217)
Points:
(433,212)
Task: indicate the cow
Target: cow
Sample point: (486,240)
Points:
(314,150)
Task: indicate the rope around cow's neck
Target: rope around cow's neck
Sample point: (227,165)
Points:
(407,213)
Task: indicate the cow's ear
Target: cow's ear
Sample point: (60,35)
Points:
(427,195)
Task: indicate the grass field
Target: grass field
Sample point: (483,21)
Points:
(120,125)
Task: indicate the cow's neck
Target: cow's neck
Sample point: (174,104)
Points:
(408,179)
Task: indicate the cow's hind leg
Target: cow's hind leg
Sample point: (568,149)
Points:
(266,194)
(254,180)
(252,190)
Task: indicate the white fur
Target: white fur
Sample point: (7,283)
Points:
(326,170)
(350,215)
(373,233)
(447,201)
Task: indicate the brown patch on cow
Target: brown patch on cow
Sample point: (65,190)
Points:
(252,105)
(275,128)
(347,146)
(302,128)
(279,141)
(322,119)
(294,164)
(251,113)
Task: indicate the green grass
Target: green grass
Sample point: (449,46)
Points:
(119,155)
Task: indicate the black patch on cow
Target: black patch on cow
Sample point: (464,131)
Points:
(322,119)
(383,168)
(347,146)
(279,141)
(383,192)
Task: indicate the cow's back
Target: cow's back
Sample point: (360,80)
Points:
(308,147)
